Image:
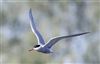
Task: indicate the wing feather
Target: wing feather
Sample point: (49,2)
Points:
(35,31)
(52,41)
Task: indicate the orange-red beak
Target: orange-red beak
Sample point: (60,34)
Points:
(30,49)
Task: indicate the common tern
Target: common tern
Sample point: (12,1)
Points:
(42,46)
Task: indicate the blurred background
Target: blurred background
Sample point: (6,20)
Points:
(53,18)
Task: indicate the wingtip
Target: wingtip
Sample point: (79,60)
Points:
(30,10)
(87,32)
(30,14)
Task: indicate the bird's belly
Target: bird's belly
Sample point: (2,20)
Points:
(44,50)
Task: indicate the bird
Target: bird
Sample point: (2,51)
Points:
(42,46)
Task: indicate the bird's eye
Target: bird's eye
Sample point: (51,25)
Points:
(36,46)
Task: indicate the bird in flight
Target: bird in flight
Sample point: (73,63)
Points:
(42,46)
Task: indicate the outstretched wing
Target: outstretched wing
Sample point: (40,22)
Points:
(35,31)
(52,41)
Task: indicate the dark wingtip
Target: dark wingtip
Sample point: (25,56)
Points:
(30,11)
(30,14)
(86,32)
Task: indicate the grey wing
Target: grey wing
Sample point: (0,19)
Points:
(35,31)
(52,41)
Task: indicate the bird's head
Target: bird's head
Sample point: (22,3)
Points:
(35,47)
